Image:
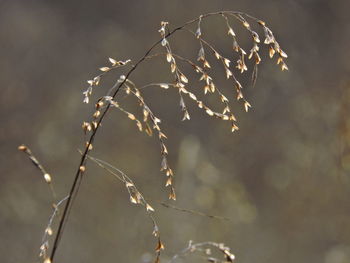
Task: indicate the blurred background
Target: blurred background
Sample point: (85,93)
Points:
(282,179)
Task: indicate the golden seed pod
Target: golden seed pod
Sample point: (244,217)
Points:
(22,148)
(234,128)
(231,32)
(247,106)
(82,168)
(159,246)
(99,105)
(131,116)
(113,61)
(87,144)
(169,181)
(284,66)
(47,178)
(86,126)
(94,125)
(49,231)
(169,172)
(105,69)
(261,22)
(172,194)
(149,208)
(246,24)
(96,114)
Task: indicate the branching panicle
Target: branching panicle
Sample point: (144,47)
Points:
(150,123)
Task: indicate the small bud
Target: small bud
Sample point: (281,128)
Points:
(22,148)
(131,116)
(282,53)
(172,194)
(186,116)
(128,184)
(96,114)
(198,32)
(105,69)
(261,22)
(87,144)
(149,208)
(160,246)
(99,105)
(97,80)
(169,57)
(47,178)
(183,78)
(82,168)
(94,125)
(173,67)
(169,172)
(209,112)
(113,61)
(164,85)
(227,62)
(164,42)
(206,64)
(271,51)
(234,128)
(247,106)
(86,126)
(231,32)
(255,37)
(284,66)
(279,60)
(169,181)
(246,24)
(49,231)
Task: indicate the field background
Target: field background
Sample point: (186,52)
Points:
(283,179)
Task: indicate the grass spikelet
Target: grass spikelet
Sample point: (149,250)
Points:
(47,177)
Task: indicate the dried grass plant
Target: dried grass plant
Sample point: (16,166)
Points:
(148,122)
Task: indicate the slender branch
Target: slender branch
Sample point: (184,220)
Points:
(194,212)
(204,248)
(47,177)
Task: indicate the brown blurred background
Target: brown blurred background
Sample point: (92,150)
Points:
(282,179)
